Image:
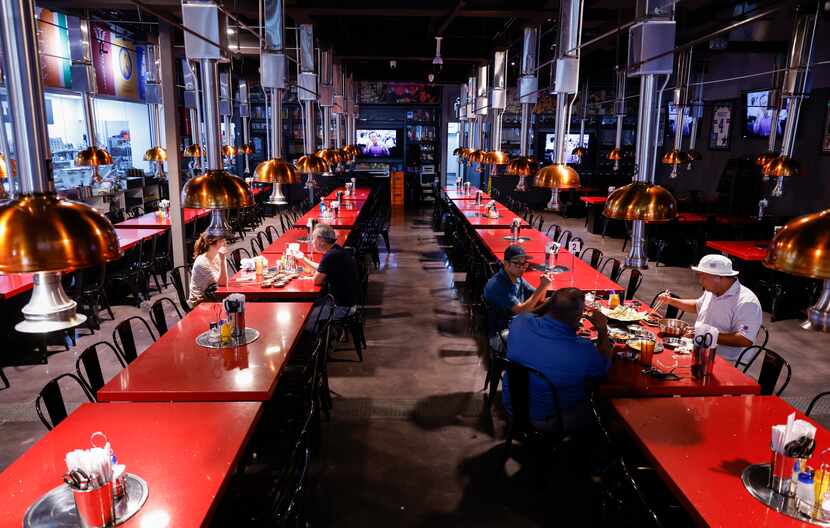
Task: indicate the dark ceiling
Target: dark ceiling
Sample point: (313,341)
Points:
(368,34)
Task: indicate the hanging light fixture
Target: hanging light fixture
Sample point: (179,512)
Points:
(246,148)
(774,107)
(641,200)
(794,91)
(802,247)
(615,155)
(215,189)
(524,165)
(581,150)
(696,112)
(4,177)
(84,81)
(677,156)
(325,98)
(228,151)
(158,155)
(41,233)
(309,164)
(566,86)
(192,151)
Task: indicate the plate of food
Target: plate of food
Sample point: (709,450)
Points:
(618,335)
(623,314)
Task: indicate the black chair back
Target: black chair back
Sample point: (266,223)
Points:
(565,237)
(672,312)
(124,338)
(610,268)
(771,367)
(272,233)
(518,379)
(236,257)
(635,278)
(158,314)
(818,397)
(553,232)
(180,277)
(52,398)
(592,256)
(92,373)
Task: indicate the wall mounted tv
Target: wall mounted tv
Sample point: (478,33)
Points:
(379,143)
(758,118)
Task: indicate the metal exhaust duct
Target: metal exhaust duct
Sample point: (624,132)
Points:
(156,154)
(680,98)
(245,115)
(273,78)
(325,94)
(566,86)
(85,82)
(652,35)
(619,109)
(774,103)
(339,105)
(216,189)
(696,113)
(307,94)
(482,101)
(794,91)
(528,95)
(35,225)
(226,111)
(192,103)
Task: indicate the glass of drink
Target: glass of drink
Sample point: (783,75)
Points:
(646,351)
(613,300)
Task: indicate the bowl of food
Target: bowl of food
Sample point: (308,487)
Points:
(673,327)
(623,314)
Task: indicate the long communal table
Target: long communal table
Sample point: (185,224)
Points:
(475,216)
(175,368)
(249,284)
(746,250)
(700,447)
(152,220)
(185,452)
(300,236)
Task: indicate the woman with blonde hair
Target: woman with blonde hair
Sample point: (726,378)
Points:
(209,267)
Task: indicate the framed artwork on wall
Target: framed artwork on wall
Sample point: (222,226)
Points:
(721,131)
(825,137)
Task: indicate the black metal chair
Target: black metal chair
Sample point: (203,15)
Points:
(820,396)
(163,262)
(272,233)
(127,271)
(158,314)
(565,237)
(610,267)
(180,277)
(553,232)
(632,285)
(771,368)
(52,398)
(92,374)
(236,257)
(518,422)
(124,338)
(592,256)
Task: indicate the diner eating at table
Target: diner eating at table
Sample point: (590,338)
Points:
(209,267)
(725,304)
(509,294)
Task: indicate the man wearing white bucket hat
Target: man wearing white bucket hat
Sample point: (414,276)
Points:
(726,304)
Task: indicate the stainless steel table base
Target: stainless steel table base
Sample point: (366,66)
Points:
(56,509)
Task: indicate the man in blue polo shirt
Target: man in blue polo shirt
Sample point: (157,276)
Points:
(508,294)
(549,344)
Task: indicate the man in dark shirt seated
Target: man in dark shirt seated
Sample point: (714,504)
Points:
(336,272)
(549,344)
(508,294)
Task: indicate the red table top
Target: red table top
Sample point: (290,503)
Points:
(131,236)
(12,284)
(700,446)
(346,219)
(594,200)
(175,368)
(299,288)
(295,234)
(580,274)
(151,220)
(359,195)
(185,452)
(454,194)
(749,250)
(482,222)
(494,240)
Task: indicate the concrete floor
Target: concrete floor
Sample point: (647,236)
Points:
(407,444)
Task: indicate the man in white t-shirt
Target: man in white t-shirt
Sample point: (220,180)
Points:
(726,304)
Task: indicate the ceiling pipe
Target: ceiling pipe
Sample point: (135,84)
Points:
(247,147)
(774,102)
(39,232)
(528,87)
(307,92)
(619,110)
(581,150)
(794,91)
(498,102)
(696,113)
(680,98)
(226,111)
(566,86)
(192,102)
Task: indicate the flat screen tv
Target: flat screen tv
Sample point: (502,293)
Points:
(379,142)
(571,142)
(687,120)
(758,122)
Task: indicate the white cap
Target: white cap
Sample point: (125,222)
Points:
(715,265)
